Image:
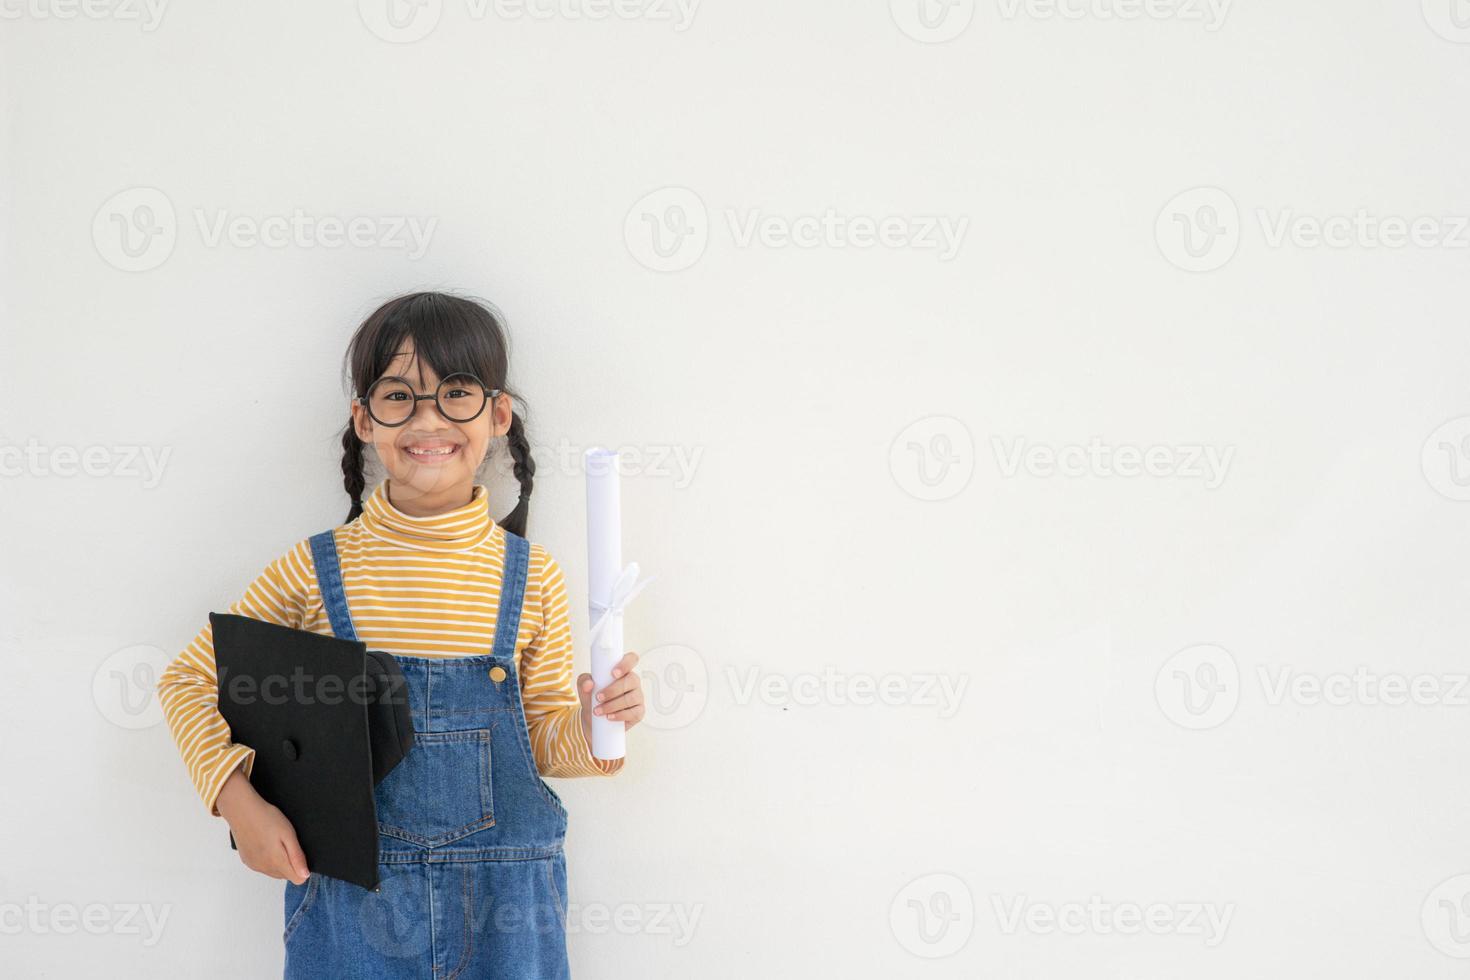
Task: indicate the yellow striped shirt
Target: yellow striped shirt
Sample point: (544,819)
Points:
(416,586)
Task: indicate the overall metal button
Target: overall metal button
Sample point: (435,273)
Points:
(497,674)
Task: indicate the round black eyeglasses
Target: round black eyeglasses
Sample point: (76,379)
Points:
(391,400)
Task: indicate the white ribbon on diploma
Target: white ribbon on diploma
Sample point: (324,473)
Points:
(624,589)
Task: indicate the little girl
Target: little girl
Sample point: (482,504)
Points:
(473,877)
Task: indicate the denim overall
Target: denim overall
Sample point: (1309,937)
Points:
(473,878)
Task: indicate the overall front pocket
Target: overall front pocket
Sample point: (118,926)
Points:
(298,900)
(441,790)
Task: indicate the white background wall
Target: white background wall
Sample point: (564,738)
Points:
(1116,645)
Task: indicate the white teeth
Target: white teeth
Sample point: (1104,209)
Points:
(432,452)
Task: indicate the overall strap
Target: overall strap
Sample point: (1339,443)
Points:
(329,580)
(512,592)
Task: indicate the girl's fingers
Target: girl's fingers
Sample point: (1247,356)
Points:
(623,693)
(630,715)
(624,702)
(295,859)
(620,686)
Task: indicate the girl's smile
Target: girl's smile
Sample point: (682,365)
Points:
(432,453)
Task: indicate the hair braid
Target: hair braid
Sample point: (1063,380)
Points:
(525,469)
(352,470)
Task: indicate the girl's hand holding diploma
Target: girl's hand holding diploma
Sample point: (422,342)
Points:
(622,700)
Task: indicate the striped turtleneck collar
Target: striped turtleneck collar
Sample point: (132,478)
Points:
(454,530)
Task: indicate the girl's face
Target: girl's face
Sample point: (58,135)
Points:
(430,460)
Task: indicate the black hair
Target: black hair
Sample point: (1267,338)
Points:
(451,334)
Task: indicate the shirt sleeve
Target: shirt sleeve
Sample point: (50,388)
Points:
(188,689)
(548,687)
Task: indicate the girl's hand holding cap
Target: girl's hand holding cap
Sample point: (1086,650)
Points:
(265,838)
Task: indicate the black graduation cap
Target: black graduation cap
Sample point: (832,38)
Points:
(327,719)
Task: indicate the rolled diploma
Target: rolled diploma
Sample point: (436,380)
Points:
(604,565)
